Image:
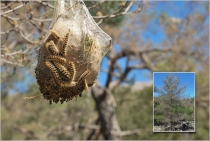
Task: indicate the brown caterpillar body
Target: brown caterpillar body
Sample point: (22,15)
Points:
(63,70)
(54,58)
(63,49)
(52,49)
(57,83)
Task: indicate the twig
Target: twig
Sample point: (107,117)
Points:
(11,54)
(7,32)
(31,97)
(10,17)
(14,29)
(8,5)
(94,132)
(22,4)
(130,132)
(41,29)
(45,4)
(114,57)
(48,132)
(9,62)
(35,19)
(122,76)
(116,13)
(100,21)
(30,41)
(42,20)
(130,52)
(148,63)
(96,4)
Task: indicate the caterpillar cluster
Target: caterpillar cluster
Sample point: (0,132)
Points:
(61,84)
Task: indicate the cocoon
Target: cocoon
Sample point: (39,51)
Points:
(70,57)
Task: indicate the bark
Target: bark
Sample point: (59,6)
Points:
(104,105)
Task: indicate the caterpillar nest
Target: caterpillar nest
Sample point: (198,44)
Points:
(70,57)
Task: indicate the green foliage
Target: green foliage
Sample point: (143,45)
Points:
(188,111)
(179,109)
(38,116)
(156,103)
(134,111)
(108,7)
(159,118)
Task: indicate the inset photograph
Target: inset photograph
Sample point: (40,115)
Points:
(173,102)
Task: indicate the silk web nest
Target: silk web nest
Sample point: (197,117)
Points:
(70,57)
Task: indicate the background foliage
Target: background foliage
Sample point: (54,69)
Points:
(182,46)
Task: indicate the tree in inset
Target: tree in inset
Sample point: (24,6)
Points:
(169,99)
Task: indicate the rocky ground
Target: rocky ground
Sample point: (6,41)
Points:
(188,126)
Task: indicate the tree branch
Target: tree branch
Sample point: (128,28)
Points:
(118,13)
(130,132)
(8,11)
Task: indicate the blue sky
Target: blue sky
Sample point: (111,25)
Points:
(139,75)
(185,78)
(153,33)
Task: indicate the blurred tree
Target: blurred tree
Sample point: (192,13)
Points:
(185,48)
(25,26)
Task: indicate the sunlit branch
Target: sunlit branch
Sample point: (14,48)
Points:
(22,4)
(93,6)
